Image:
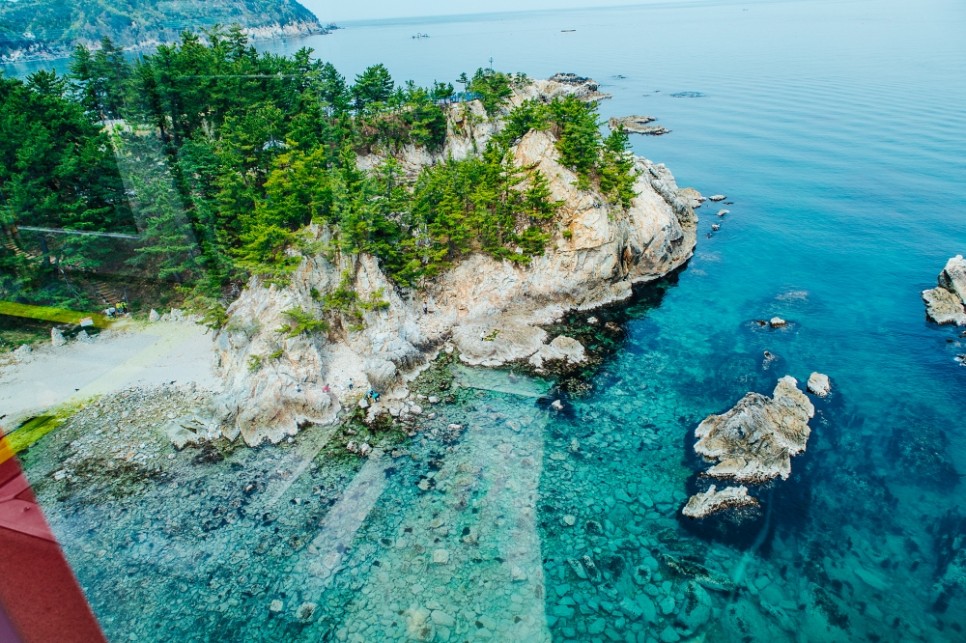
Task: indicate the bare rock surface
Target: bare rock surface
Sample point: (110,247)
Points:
(756,440)
(693,197)
(946,303)
(562,349)
(819,384)
(637,125)
(712,501)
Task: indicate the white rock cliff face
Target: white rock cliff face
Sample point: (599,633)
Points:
(490,310)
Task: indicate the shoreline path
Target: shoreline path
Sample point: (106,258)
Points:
(130,354)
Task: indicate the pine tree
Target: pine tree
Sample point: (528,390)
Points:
(374,85)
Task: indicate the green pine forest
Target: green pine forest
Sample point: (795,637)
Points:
(202,164)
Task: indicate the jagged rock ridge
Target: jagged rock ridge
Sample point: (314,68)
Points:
(756,440)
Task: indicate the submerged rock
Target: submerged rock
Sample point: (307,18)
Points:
(419,624)
(921,451)
(755,440)
(950,549)
(701,505)
(695,608)
(946,303)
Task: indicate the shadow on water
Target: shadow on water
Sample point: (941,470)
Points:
(604,331)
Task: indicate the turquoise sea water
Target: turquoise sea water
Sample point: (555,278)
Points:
(838,131)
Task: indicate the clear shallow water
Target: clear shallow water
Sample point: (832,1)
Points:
(837,130)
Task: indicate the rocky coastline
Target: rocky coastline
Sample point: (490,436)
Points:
(946,303)
(491,313)
(28,50)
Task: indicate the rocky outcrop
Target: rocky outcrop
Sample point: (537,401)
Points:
(693,197)
(276,381)
(597,254)
(561,349)
(492,311)
(469,128)
(638,125)
(753,443)
(946,303)
(756,440)
(702,505)
(819,384)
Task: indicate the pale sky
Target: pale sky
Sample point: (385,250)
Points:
(333,11)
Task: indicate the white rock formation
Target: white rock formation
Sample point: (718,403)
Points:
(702,505)
(561,349)
(491,310)
(819,384)
(756,440)
(946,303)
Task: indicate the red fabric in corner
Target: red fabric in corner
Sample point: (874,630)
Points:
(38,592)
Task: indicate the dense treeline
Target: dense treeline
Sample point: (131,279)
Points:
(218,157)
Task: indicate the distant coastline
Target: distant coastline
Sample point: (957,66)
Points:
(40,51)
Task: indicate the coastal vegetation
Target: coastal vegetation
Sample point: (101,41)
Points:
(51,28)
(205,162)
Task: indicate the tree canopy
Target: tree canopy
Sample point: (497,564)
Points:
(216,158)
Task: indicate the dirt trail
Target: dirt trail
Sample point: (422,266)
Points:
(130,354)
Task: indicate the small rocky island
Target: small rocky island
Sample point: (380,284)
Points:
(753,443)
(946,303)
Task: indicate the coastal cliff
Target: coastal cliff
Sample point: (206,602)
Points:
(42,30)
(281,373)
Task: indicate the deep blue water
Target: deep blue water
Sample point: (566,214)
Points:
(838,130)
